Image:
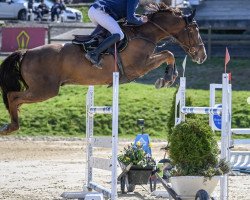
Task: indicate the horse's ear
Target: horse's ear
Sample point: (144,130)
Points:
(193,13)
(189,18)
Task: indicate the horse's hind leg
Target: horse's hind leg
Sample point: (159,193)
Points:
(16,99)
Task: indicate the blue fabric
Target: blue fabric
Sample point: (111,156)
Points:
(119,9)
(144,141)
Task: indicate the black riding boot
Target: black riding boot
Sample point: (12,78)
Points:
(94,56)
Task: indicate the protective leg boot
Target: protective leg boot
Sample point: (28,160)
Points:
(94,56)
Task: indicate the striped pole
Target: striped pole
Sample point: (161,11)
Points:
(100,110)
(201,110)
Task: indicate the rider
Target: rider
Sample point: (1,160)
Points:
(106,13)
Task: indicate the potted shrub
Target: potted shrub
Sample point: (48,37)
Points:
(141,166)
(194,153)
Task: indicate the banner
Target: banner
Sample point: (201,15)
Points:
(15,38)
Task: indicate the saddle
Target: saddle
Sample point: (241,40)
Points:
(90,42)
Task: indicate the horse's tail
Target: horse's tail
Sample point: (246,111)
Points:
(10,75)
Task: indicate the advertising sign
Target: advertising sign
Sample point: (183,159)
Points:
(217,120)
(15,38)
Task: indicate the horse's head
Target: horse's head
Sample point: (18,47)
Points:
(190,39)
(170,22)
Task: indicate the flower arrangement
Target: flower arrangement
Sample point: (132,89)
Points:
(136,155)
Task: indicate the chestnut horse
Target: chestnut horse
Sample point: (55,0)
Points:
(35,75)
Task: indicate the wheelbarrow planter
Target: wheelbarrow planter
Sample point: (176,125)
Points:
(135,175)
(187,186)
(138,175)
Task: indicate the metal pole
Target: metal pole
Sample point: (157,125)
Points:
(183,98)
(225,132)
(211,103)
(89,134)
(115,134)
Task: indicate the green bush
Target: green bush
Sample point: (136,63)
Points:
(194,150)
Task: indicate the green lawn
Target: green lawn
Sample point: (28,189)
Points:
(65,114)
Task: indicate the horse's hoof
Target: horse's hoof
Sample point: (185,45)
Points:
(7,130)
(4,129)
(159,83)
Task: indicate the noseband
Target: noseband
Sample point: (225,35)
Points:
(191,49)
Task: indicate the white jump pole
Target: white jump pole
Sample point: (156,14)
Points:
(225,131)
(98,162)
(183,110)
(180,102)
(115,113)
(241,131)
(104,142)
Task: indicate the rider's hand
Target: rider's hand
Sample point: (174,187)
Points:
(144,18)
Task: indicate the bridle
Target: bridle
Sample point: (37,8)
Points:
(191,49)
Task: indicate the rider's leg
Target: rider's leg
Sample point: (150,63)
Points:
(98,29)
(100,17)
(94,56)
(39,14)
(52,16)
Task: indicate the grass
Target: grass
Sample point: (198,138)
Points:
(64,115)
(84,10)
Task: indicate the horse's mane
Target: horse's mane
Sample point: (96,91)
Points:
(153,8)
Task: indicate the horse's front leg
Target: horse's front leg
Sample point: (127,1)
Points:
(171,72)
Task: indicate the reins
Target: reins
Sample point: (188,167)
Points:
(189,48)
(159,27)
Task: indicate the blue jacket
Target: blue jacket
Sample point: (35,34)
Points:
(119,9)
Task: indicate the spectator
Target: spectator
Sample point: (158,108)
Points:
(30,4)
(57,9)
(62,4)
(30,9)
(41,10)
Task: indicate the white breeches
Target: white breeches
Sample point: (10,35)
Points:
(98,16)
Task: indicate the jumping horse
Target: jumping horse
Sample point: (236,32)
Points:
(35,75)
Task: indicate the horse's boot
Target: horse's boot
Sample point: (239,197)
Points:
(94,56)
